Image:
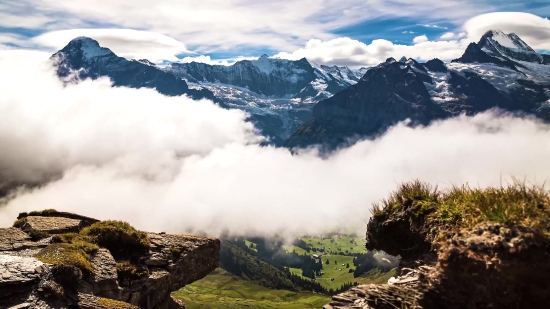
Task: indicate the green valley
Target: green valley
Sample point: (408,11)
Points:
(226,291)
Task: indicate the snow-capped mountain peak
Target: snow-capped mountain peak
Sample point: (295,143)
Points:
(501,45)
(89,47)
(510,41)
(264,64)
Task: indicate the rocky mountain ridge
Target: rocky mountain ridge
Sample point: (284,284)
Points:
(271,77)
(44,263)
(84,58)
(500,71)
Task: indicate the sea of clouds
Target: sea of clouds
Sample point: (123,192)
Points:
(177,165)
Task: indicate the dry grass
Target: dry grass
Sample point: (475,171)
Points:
(415,191)
(514,204)
(460,207)
(111,303)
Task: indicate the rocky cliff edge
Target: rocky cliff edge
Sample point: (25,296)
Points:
(461,249)
(52,259)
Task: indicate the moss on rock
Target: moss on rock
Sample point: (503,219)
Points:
(69,255)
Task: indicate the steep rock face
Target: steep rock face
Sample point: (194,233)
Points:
(500,71)
(172,262)
(511,46)
(488,266)
(84,58)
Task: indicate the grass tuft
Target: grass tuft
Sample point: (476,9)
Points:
(120,238)
(515,204)
(464,207)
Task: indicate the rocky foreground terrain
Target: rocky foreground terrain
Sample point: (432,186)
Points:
(60,260)
(467,249)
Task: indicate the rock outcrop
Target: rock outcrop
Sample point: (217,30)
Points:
(451,259)
(145,281)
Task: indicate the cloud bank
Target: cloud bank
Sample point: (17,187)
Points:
(353,53)
(176,165)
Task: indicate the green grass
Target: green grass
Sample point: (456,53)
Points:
(375,276)
(337,243)
(298,250)
(297,271)
(249,245)
(221,290)
(340,277)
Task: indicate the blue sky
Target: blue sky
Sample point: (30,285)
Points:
(227,29)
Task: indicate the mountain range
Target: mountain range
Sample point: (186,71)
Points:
(278,94)
(300,103)
(500,71)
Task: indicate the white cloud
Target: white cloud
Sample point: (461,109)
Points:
(224,24)
(534,30)
(120,124)
(452,36)
(433,26)
(346,51)
(132,44)
(171,164)
(420,39)
(206,59)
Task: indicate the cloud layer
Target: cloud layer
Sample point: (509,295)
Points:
(175,165)
(224,24)
(533,29)
(346,51)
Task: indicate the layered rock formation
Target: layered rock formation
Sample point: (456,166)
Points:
(145,281)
